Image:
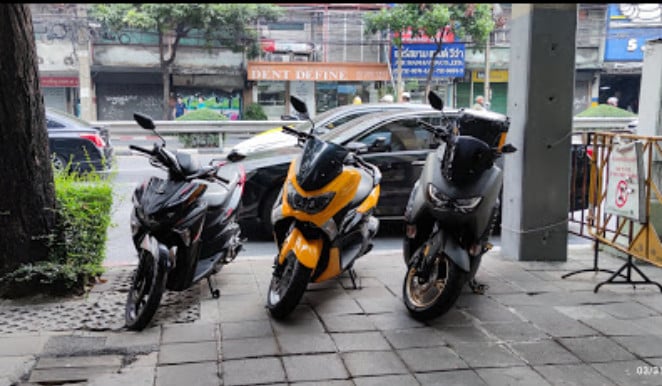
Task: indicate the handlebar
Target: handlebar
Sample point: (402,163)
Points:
(141,149)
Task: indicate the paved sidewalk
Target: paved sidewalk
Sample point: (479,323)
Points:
(531,328)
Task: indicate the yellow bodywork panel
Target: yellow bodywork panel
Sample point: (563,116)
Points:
(344,186)
(333,268)
(307,251)
(370,201)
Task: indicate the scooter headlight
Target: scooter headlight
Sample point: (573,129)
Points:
(440,200)
(310,205)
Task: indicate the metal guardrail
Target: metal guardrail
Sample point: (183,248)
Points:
(117,128)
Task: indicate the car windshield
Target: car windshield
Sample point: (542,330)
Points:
(305,126)
(69,116)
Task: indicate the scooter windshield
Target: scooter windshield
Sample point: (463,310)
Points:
(320,163)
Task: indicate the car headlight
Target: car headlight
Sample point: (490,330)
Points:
(440,200)
(310,205)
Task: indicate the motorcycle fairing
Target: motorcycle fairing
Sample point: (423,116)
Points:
(371,201)
(308,252)
(332,267)
(344,186)
(320,163)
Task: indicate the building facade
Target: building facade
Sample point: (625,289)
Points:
(319,52)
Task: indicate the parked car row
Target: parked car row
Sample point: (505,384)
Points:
(397,144)
(76,144)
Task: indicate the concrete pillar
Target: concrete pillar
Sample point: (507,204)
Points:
(540,104)
(650,116)
(85,87)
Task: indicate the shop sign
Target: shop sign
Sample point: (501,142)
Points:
(58,81)
(496,76)
(416,59)
(407,36)
(268,45)
(629,27)
(625,187)
(317,72)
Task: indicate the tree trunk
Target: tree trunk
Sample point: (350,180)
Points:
(401,86)
(27,201)
(428,79)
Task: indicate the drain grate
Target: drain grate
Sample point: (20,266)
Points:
(101,310)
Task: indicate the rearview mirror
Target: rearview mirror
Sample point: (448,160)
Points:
(145,121)
(435,100)
(357,147)
(299,105)
(379,145)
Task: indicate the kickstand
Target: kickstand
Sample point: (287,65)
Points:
(215,293)
(478,288)
(354,277)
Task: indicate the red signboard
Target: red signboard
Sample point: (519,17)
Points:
(447,37)
(268,45)
(58,81)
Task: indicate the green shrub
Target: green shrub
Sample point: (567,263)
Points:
(78,243)
(606,111)
(201,139)
(255,112)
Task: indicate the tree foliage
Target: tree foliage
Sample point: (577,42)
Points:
(430,20)
(230,25)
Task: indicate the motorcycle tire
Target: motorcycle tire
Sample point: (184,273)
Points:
(286,288)
(147,287)
(438,293)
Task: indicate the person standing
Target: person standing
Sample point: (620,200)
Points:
(612,101)
(180,107)
(480,103)
(406,97)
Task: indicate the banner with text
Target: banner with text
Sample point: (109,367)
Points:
(416,58)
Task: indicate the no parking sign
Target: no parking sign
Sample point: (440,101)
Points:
(625,183)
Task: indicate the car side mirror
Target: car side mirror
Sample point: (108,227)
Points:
(357,147)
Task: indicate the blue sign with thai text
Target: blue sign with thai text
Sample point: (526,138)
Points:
(416,58)
(629,27)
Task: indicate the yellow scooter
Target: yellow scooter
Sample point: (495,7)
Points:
(323,219)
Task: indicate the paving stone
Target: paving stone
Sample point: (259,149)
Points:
(453,318)
(22,345)
(630,372)
(198,374)
(512,376)
(341,304)
(142,376)
(596,349)
(455,378)
(249,348)
(68,375)
(400,380)
(612,326)
(13,368)
(627,310)
(553,322)
(515,331)
(327,382)
(544,352)
(79,361)
(360,341)
(460,334)
(247,329)
(364,363)
(294,325)
(347,323)
(253,371)
(642,346)
(414,337)
(239,308)
(579,375)
(130,342)
(70,345)
(398,320)
(314,367)
(378,305)
(188,352)
(306,344)
(432,359)
(486,355)
(179,333)
(652,324)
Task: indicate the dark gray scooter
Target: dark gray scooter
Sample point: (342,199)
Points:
(452,209)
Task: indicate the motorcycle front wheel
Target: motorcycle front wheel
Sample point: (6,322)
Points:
(147,287)
(433,295)
(288,283)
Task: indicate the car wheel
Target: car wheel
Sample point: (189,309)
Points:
(59,162)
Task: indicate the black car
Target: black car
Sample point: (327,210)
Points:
(397,144)
(76,144)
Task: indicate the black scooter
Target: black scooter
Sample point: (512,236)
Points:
(183,227)
(452,209)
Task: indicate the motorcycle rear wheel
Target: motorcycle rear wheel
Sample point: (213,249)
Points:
(287,287)
(431,297)
(147,287)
